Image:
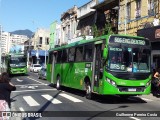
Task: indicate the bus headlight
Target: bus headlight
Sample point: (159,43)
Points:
(111,82)
(148,83)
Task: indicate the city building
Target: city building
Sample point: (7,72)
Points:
(141,17)
(106,17)
(86,17)
(5,42)
(55,34)
(9,40)
(18,39)
(40,43)
(68,25)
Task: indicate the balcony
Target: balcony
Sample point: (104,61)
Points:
(86,10)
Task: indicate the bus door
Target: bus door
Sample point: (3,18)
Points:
(53,66)
(96,67)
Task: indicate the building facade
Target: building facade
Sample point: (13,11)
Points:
(86,17)
(9,40)
(5,42)
(107,17)
(18,39)
(55,34)
(141,17)
(68,25)
(40,42)
(137,14)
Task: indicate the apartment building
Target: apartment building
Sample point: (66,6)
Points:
(5,42)
(18,39)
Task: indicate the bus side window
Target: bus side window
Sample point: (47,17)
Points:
(79,54)
(50,58)
(71,54)
(59,56)
(64,55)
(88,52)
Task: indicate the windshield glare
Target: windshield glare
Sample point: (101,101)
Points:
(20,61)
(127,59)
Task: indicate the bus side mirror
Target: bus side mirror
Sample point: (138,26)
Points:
(105,53)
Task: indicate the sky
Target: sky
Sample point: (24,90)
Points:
(33,14)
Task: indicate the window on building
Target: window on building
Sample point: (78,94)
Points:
(128,11)
(46,41)
(150,7)
(138,8)
(40,40)
(68,32)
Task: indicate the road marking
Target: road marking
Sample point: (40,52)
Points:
(35,80)
(54,100)
(34,90)
(21,109)
(32,87)
(134,118)
(70,98)
(19,80)
(146,99)
(30,101)
(32,84)
(26,86)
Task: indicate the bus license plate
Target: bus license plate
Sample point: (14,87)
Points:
(132,89)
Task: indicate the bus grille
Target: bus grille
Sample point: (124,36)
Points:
(131,89)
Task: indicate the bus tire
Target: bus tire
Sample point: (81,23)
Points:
(58,83)
(88,90)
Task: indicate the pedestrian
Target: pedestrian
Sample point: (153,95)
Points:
(5,90)
(156,82)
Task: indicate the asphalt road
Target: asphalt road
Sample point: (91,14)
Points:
(36,97)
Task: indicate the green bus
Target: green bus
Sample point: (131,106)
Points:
(106,65)
(15,63)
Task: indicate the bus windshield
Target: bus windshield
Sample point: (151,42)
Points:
(17,61)
(129,59)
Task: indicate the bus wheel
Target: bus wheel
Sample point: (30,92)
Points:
(58,83)
(88,91)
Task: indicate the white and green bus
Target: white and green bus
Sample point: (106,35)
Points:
(106,65)
(15,63)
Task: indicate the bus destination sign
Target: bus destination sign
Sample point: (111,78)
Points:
(127,40)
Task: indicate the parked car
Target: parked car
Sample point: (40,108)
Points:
(35,67)
(42,73)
